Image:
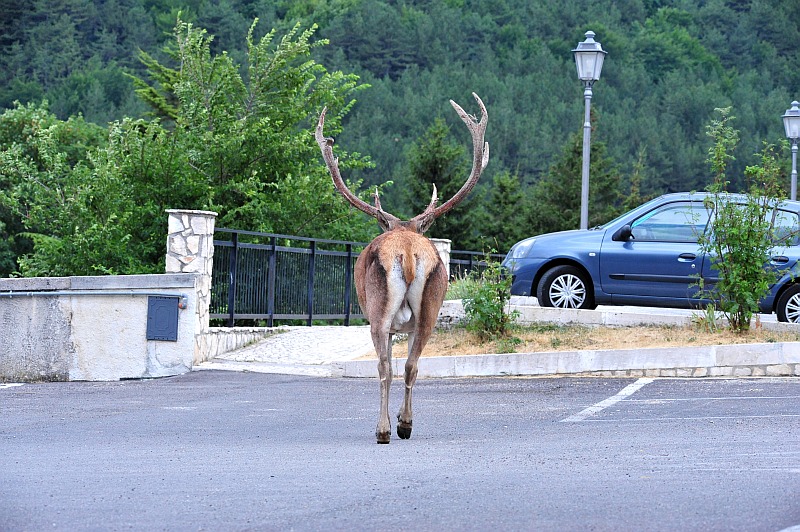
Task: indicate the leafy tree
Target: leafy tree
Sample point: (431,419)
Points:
(38,154)
(241,146)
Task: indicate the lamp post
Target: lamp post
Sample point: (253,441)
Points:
(589,56)
(791,123)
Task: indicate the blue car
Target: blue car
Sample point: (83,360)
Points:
(647,257)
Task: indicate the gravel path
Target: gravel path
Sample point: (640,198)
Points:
(298,351)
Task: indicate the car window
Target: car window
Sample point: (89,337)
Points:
(676,222)
(785,227)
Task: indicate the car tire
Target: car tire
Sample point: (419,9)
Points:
(565,287)
(788,306)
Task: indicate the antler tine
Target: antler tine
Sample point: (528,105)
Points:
(480,150)
(326,145)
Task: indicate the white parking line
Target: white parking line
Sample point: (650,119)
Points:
(10,385)
(698,418)
(602,405)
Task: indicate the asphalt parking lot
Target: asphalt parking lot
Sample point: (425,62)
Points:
(244,451)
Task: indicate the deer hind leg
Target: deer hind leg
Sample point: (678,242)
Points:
(428,312)
(383,344)
(404,417)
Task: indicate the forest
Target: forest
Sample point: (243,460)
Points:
(115,110)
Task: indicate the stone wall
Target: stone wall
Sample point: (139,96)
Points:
(222,340)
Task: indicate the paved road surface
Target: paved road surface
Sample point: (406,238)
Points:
(245,451)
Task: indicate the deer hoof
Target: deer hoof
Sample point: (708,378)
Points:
(404,430)
(383,437)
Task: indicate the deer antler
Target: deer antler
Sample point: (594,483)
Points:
(385,219)
(326,145)
(423,221)
(480,159)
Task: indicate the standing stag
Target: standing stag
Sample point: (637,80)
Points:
(400,279)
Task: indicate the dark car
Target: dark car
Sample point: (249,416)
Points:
(647,257)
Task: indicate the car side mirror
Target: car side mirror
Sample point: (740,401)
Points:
(623,234)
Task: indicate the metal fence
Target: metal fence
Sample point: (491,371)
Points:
(269,277)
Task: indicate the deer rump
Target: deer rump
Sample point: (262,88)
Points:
(400,277)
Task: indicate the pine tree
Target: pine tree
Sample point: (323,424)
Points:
(555,200)
(504,209)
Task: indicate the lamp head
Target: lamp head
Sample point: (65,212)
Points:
(589,57)
(791,121)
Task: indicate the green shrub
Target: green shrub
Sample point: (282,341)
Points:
(486,306)
(740,238)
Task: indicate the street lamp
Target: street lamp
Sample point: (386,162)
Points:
(791,123)
(589,56)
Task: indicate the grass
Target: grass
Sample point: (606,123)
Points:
(549,337)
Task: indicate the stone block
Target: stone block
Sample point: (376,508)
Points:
(175,224)
(778,369)
(177,244)
(192,244)
(720,371)
(749,354)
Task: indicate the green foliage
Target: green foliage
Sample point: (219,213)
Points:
(740,238)
(504,209)
(670,63)
(43,163)
(487,307)
(242,146)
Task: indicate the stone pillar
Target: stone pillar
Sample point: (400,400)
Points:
(190,249)
(443,246)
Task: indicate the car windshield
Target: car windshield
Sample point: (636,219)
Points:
(623,215)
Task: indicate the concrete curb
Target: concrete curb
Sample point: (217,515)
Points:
(300,355)
(739,360)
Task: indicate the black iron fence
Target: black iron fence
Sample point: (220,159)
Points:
(268,277)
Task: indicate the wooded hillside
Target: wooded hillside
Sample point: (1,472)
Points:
(669,65)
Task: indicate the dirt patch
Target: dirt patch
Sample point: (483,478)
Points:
(544,338)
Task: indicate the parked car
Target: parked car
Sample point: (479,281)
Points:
(647,257)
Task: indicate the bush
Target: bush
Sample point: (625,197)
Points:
(740,235)
(486,307)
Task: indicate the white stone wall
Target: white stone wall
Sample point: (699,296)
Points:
(190,249)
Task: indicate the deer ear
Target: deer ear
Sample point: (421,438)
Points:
(425,221)
(386,221)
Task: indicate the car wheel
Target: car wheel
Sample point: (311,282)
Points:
(565,287)
(788,307)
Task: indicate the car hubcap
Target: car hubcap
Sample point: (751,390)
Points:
(793,309)
(568,291)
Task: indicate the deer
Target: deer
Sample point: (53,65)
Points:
(400,279)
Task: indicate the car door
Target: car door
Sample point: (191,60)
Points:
(786,233)
(661,260)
